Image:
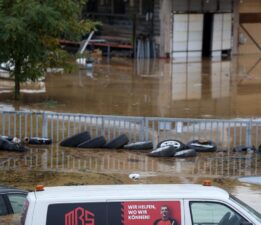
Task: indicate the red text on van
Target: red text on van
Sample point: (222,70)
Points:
(79,216)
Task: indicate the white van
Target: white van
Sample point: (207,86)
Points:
(138,204)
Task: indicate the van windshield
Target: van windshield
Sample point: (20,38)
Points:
(250,210)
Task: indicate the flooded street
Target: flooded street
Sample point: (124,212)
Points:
(226,89)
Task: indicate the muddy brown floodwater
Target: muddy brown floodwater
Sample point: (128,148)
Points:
(206,89)
(226,89)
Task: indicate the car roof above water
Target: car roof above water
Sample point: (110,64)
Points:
(129,192)
(7,189)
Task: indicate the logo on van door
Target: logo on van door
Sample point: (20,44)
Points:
(79,216)
(115,213)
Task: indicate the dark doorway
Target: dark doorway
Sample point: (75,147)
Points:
(147,6)
(119,6)
(92,6)
(207,34)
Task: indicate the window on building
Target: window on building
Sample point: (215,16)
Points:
(210,6)
(225,5)
(181,6)
(146,7)
(195,6)
(200,6)
(119,6)
(92,6)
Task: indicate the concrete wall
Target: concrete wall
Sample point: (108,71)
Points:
(235,47)
(165,27)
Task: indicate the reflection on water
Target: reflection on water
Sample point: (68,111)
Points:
(7,86)
(225,89)
(186,81)
(124,162)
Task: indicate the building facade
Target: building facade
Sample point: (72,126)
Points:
(180,29)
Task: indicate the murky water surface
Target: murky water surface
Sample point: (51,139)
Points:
(227,89)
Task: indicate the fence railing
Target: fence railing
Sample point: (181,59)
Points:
(225,133)
(57,126)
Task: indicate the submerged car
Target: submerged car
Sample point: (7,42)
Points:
(140,204)
(11,200)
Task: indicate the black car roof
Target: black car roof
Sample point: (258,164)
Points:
(6,189)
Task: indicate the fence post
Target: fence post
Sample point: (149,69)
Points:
(249,133)
(102,126)
(45,125)
(146,130)
(3,123)
(142,129)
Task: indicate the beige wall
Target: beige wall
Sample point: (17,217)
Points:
(249,6)
(249,46)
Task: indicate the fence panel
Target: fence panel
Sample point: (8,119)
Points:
(58,126)
(225,133)
(21,124)
(255,132)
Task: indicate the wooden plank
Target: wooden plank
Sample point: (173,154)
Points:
(101,44)
(250,17)
(66,42)
(112,45)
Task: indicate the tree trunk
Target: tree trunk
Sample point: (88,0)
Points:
(17,74)
(17,88)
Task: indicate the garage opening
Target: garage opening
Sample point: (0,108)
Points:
(207,35)
(119,6)
(92,6)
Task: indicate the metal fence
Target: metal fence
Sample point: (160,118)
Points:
(57,126)
(225,133)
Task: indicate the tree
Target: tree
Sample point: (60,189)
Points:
(30,31)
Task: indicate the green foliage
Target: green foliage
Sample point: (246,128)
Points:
(30,30)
